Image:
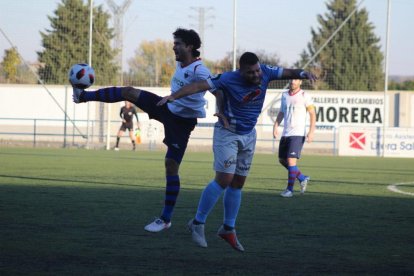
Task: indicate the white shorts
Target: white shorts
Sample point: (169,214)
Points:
(233,153)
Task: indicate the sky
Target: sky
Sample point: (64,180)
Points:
(282,27)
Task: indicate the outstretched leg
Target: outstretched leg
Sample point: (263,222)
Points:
(107,95)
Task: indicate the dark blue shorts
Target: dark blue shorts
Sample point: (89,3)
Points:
(177,129)
(127,125)
(291,146)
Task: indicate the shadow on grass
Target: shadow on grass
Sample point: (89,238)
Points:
(99,230)
(66,180)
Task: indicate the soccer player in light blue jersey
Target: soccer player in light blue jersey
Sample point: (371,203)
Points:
(242,95)
(179,118)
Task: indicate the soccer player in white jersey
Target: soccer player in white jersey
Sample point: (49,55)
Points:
(294,107)
(243,93)
(179,118)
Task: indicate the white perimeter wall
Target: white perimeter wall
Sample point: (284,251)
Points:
(335,110)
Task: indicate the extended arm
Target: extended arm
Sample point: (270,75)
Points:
(186,90)
(298,74)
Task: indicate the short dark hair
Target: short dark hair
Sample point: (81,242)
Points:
(189,37)
(248,58)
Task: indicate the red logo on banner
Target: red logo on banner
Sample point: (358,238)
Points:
(357,140)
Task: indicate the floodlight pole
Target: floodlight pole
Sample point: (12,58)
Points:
(118,12)
(387,41)
(234,35)
(90,64)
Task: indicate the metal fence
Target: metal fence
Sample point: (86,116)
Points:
(62,133)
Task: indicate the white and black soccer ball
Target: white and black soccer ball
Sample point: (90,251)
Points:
(81,75)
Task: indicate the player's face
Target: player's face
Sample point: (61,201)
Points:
(181,50)
(252,73)
(295,84)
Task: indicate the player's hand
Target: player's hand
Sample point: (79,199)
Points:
(223,119)
(165,99)
(311,77)
(123,120)
(309,137)
(275,132)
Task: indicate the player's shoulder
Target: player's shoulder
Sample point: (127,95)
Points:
(269,67)
(198,63)
(285,93)
(225,75)
(199,67)
(305,94)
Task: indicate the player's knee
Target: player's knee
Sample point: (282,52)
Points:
(224,179)
(130,94)
(171,166)
(238,181)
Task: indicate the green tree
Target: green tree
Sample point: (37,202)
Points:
(153,64)
(405,85)
(66,43)
(10,63)
(25,74)
(352,60)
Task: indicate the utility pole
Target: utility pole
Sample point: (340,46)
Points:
(234,34)
(202,18)
(118,15)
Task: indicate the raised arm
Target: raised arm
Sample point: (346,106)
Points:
(189,89)
(298,74)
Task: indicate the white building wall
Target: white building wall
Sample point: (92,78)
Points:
(20,105)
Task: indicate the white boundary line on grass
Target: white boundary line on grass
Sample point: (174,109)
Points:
(393,188)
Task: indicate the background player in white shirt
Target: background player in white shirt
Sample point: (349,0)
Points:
(179,118)
(294,107)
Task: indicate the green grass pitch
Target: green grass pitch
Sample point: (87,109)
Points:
(79,212)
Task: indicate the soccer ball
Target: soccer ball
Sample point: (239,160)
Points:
(81,75)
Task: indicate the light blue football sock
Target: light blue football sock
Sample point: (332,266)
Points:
(232,201)
(209,197)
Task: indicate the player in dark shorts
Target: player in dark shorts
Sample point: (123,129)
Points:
(294,107)
(127,115)
(178,118)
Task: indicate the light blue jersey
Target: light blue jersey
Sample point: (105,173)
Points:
(243,102)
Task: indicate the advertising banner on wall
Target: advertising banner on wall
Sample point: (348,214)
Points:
(412,112)
(357,109)
(335,109)
(376,141)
